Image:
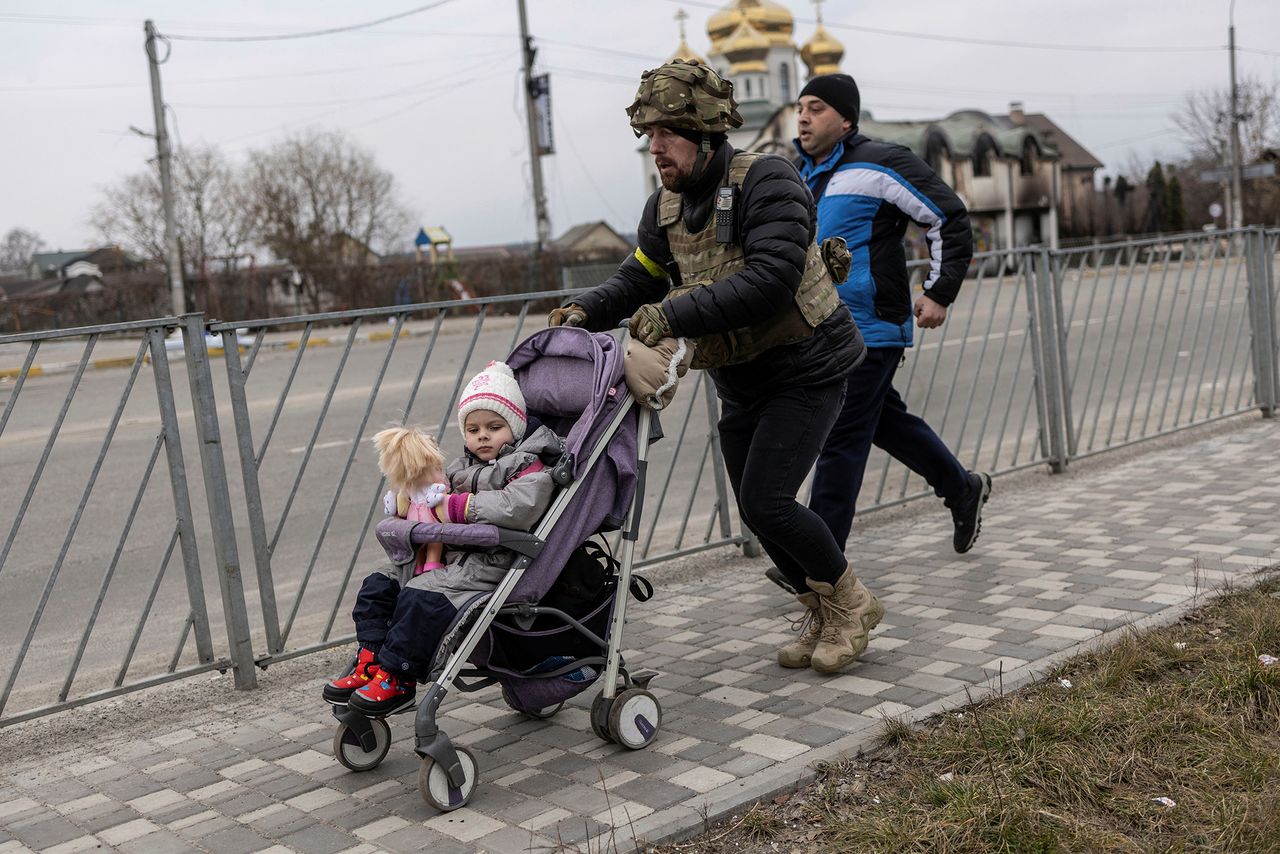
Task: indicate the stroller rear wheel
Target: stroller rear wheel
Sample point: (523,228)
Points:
(600,718)
(438,790)
(634,718)
(351,753)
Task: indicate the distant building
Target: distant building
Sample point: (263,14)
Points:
(51,264)
(1019,174)
(58,265)
(592,239)
(77,273)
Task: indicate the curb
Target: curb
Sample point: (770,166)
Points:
(54,368)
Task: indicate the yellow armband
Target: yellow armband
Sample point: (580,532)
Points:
(652,266)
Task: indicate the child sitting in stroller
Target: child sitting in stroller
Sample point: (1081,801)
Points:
(502,478)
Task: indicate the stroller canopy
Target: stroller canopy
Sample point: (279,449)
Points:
(572,380)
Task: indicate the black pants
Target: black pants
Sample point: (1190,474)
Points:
(402,625)
(769,445)
(874,413)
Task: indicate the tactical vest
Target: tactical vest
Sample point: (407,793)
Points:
(703,261)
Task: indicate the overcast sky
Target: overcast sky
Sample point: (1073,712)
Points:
(435,96)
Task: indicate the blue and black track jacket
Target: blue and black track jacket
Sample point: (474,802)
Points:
(867,191)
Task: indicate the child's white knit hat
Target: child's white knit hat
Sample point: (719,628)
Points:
(496,390)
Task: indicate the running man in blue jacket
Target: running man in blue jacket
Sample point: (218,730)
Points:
(867,192)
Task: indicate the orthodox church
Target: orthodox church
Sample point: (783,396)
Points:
(1019,174)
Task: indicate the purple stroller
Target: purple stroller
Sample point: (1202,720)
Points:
(573,381)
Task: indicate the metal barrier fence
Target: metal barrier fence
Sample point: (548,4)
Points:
(1046,357)
(88,613)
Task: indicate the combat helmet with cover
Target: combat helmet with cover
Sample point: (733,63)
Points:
(684,95)
(687,95)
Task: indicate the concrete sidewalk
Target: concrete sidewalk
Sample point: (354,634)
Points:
(1062,561)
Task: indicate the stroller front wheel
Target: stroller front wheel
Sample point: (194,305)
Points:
(352,754)
(634,718)
(438,790)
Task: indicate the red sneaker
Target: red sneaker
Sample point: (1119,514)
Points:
(339,690)
(384,693)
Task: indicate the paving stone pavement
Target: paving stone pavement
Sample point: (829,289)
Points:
(1060,562)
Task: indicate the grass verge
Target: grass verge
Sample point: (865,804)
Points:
(1169,740)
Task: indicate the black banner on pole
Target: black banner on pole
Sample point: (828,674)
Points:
(541,90)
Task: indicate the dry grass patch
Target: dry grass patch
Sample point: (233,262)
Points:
(1166,741)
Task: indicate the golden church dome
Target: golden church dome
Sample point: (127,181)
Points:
(822,53)
(688,54)
(746,49)
(683,51)
(770,19)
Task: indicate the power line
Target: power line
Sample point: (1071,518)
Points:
(412,89)
(1138,138)
(607,51)
(988,42)
(315,72)
(312,33)
(426,96)
(588,74)
(69,20)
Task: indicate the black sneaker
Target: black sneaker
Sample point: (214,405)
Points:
(966,512)
(775,575)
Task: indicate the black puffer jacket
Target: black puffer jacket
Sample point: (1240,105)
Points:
(777,221)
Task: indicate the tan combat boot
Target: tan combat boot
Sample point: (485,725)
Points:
(799,652)
(849,612)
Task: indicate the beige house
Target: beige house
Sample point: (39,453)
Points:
(592,239)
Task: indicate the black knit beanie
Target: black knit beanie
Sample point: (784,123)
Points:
(839,91)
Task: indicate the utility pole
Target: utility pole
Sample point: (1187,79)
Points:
(535,152)
(173,264)
(1237,164)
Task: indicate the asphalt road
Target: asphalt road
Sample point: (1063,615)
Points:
(1142,348)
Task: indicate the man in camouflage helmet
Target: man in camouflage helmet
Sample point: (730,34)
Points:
(726,259)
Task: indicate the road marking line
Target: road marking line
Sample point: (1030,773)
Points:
(301,448)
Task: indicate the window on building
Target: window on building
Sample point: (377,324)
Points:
(746,87)
(982,153)
(784,81)
(935,149)
(1027,163)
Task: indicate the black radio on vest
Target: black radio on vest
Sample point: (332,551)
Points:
(725,214)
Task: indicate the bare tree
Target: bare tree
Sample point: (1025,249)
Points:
(213,217)
(1205,121)
(324,205)
(16,249)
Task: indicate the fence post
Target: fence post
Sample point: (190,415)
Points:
(213,465)
(252,491)
(1048,341)
(1262,322)
(1064,368)
(178,483)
